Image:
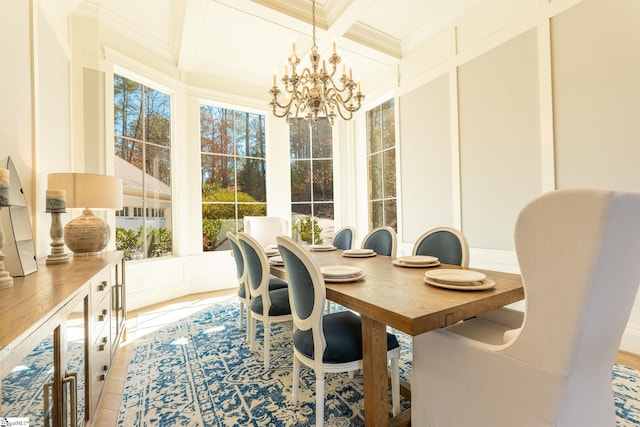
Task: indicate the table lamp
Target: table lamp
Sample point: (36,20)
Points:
(87,233)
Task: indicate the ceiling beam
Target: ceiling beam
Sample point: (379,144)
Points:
(191,34)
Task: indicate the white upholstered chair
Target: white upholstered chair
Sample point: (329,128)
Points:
(265,229)
(578,253)
(267,305)
(446,243)
(383,240)
(327,343)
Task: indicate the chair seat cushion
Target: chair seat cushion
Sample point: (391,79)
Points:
(276,283)
(242,293)
(343,334)
(279,303)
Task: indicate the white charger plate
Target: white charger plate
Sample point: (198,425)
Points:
(320,248)
(482,285)
(455,276)
(418,259)
(344,279)
(359,253)
(404,264)
(276,260)
(340,271)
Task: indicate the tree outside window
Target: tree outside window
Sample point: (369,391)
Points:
(142,130)
(381,147)
(232,146)
(311,158)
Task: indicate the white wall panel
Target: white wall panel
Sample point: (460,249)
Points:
(425,159)
(499,140)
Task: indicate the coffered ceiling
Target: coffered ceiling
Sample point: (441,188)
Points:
(237,45)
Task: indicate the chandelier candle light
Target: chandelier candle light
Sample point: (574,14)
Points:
(6,281)
(312,93)
(56,205)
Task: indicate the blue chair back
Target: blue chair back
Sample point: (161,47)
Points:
(301,288)
(343,238)
(381,240)
(448,245)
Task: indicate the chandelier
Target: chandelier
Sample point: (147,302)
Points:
(313,93)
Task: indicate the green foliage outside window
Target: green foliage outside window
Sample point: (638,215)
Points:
(219,213)
(132,243)
(304,228)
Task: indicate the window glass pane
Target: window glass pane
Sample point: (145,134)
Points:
(300,180)
(127,108)
(375,176)
(389,170)
(373,130)
(142,150)
(158,163)
(324,214)
(130,151)
(322,139)
(218,170)
(382,165)
(256,135)
(388,125)
(390,213)
(213,131)
(377,214)
(300,139)
(251,178)
(300,209)
(233,184)
(157,118)
(322,180)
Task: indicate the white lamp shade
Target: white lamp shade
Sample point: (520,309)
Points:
(88,190)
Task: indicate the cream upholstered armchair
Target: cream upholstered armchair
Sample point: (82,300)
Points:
(265,229)
(578,253)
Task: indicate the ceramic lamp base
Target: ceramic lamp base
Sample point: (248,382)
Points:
(86,234)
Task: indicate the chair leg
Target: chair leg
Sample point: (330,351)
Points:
(295,380)
(252,334)
(395,383)
(241,315)
(319,399)
(267,342)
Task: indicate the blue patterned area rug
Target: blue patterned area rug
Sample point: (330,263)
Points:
(199,371)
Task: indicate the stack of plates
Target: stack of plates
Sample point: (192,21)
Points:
(359,253)
(276,260)
(416,261)
(341,273)
(322,248)
(465,280)
(272,250)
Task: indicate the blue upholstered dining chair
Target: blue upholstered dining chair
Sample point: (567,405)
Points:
(446,243)
(268,306)
(244,296)
(344,237)
(327,343)
(383,240)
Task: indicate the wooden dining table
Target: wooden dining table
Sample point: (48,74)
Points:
(397,296)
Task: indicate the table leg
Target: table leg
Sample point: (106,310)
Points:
(376,394)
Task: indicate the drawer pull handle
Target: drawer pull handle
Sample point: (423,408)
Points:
(102,286)
(102,315)
(103,343)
